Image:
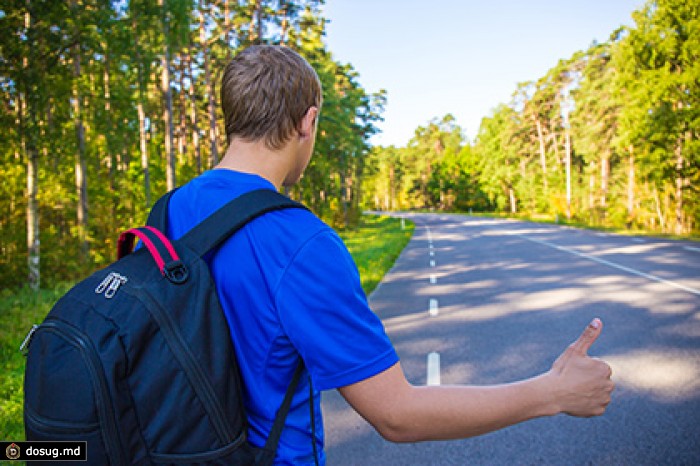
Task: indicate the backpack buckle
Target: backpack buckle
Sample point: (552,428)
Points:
(176,272)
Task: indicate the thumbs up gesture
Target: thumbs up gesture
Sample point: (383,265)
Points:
(581,384)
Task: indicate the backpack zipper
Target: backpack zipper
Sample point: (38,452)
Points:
(82,342)
(59,427)
(194,372)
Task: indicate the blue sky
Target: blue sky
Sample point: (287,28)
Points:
(460,57)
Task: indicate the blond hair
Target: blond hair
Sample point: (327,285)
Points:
(265,92)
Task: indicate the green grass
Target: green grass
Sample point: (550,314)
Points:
(19,310)
(374,245)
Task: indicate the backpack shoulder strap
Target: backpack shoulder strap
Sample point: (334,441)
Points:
(216,228)
(158,217)
(266,455)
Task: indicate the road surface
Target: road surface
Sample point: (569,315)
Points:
(482,301)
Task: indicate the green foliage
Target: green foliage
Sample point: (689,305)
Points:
(438,169)
(81,81)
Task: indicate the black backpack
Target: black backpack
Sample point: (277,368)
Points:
(137,359)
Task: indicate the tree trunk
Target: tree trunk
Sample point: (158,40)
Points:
(591,187)
(511,197)
(604,179)
(108,122)
(182,110)
(33,244)
(144,152)
(213,140)
(143,144)
(568,173)
(630,186)
(543,156)
(26,116)
(194,122)
(255,31)
(284,7)
(657,204)
(80,161)
(680,162)
(228,29)
(168,103)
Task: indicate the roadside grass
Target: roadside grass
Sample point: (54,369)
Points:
(19,310)
(374,244)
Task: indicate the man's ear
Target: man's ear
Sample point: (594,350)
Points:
(308,122)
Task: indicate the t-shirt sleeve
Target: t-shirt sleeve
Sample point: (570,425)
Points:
(325,314)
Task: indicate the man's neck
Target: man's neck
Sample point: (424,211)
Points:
(256,158)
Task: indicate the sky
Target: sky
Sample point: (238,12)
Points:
(462,57)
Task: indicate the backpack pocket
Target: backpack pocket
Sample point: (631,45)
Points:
(66,393)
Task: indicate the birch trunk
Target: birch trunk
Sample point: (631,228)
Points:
(182,110)
(80,160)
(659,214)
(27,141)
(143,145)
(33,244)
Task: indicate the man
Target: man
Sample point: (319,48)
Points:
(290,289)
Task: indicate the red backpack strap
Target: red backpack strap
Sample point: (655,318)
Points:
(160,247)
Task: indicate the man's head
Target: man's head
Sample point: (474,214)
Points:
(266,91)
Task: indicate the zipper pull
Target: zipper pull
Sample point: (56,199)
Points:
(110,285)
(24,347)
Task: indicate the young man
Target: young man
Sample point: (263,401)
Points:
(290,289)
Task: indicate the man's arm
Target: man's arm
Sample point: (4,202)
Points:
(576,384)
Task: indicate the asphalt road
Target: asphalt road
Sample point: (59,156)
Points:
(497,300)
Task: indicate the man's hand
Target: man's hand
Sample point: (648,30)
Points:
(581,384)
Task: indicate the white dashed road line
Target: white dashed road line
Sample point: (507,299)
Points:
(433,369)
(433,307)
(433,366)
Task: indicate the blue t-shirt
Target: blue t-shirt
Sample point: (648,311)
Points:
(289,288)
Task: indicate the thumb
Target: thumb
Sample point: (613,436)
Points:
(588,337)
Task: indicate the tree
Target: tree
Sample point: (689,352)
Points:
(658,60)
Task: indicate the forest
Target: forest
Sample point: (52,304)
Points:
(107,104)
(607,138)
